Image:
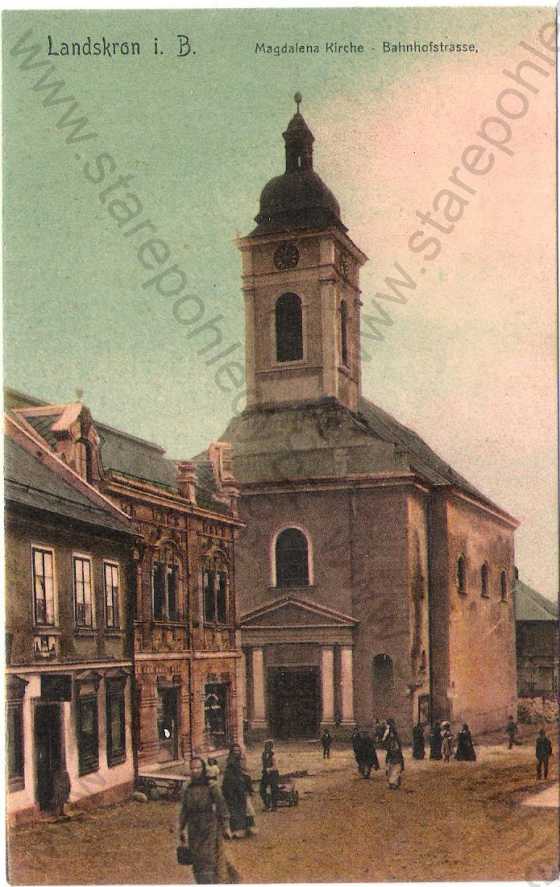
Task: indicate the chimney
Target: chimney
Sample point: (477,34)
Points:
(186,480)
(220,455)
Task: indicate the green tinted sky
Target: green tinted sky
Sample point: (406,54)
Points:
(201,136)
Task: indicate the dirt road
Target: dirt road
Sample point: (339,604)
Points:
(448,822)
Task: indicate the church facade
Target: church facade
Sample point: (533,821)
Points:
(373,580)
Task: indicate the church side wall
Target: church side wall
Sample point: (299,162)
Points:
(482,678)
(418,591)
(381,603)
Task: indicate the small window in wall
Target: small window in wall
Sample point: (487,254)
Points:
(88,734)
(116,722)
(84,460)
(503,586)
(383,677)
(289,328)
(111,579)
(215,596)
(83,597)
(344,333)
(43,586)
(292,563)
(14,741)
(484,581)
(461,574)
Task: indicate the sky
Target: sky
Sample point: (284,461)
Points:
(468,360)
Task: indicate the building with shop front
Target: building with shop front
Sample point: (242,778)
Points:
(185,654)
(374,581)
(538,650)
(68,656)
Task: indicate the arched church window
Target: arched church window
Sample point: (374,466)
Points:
(503,586)
(292,558)
(383,677)
(461,574)
(344,333)
(484,580)
(289,328)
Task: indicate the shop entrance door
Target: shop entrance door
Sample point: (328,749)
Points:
(167,723)
(48,751)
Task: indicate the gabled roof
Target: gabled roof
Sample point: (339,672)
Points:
(291,611)
(531,606)
(30,482)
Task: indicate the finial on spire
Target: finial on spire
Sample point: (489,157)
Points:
(79,393)
(298,100)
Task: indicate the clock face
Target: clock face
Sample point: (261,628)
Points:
(286,256)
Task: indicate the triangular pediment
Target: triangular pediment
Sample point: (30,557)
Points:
(292,612)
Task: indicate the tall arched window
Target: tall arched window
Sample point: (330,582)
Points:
(289,328)
(344,333)
(503,586)
(461,574)
(292,558)
(484,580)
(165,584)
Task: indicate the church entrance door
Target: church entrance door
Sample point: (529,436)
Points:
(294,702)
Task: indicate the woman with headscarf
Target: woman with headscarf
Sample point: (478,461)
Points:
(418,742)
(235,789)
(203,822)
(435,742)
(446,741)
(465,748)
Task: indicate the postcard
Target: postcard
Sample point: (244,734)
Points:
(280,445)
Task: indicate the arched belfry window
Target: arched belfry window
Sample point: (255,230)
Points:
(461,574)
(484,590)
(292,558)
(383,677)
(289,328)
(344,333)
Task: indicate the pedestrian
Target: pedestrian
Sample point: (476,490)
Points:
(337,718)
(356,741)
(326,742)
(512,730)
(203,823)
(543,749)
(394,761)
(465,748)
(435,742)
(418,742)
(251,815)
(212,771)
(368,755)
(446,741)
(235,789)
(269,778)
(378,731)
(61,790)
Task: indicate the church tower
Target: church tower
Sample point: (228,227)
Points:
(301,286)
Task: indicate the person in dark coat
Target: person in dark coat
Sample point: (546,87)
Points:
(435,742)
(203,823)
(236,788)
(270,778)
(512,731)
(378,731)
(543,750)
(465,748)
(61,790)
(368,755)
(356,741)
(394,761)
(418,742)
(326,742)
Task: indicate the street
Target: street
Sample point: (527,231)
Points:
(460,821)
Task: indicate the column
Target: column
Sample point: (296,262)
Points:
(259,710)
(346,685)
(327,684)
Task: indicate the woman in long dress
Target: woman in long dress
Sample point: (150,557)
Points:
(446,741)
(203,822)
(235,788)
(394,761)
(435,742)
(418,742)
(465,748)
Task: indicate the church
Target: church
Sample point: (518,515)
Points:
(373,580)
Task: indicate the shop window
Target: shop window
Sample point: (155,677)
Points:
(461,575)
(83,597)
(289,328)
(111,579)
(88,733)
(116,722)
(15,692)
(216,715)
(43,586)
(292,558)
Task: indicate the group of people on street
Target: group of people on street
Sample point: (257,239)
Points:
(443,743)
(365,753)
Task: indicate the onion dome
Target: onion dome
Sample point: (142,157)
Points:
(299,198)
